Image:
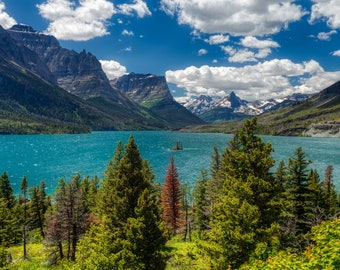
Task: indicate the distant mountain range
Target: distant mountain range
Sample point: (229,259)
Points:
(317,116)
(38,78)
(231,107)
(45,88)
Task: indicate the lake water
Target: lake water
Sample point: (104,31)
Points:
(51,157)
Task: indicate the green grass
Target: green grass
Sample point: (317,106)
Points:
(184,255)
(36,257)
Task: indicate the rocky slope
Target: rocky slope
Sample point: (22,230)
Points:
(231,107)
(30,100)
(317,116)
(82,75)
(152,92)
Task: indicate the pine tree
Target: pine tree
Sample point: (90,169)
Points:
(8,225)
(331,203)
(243,214)
(200,202)
(171,199)
(40,202)
(23,188)
(130,227)
(298,188)
(6,191)
(68,220)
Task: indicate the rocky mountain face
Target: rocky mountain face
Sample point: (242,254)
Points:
(16,52)
(30,100)
(81,74)
(231,107)
(152,92)
(78,73)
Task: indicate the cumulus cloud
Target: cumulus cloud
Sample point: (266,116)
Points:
(6,21)
(336,53)
(253,42)
(127,33)
(139,7)
(264,80)
(112,69)
(245,55)
(82,22)
(238,18)
(202,52)
(326,36)
(328,10)
(217,39)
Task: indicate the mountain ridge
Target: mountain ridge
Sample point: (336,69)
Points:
(317,116)
(231,107)
(82,75)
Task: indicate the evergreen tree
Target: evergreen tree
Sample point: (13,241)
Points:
(200,202)
(23,188)
(8,225)
(298,188)
(68,220)
(331,203)
(40,202)
(243,214)
(130,227)
(171,199)
(6,191)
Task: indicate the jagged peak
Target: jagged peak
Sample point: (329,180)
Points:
(24,28)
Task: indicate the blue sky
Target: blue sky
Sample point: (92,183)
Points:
(257,48)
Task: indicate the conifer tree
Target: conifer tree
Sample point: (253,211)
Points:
(131,226)
(6,191)
(23,188)
(67,222)
(171,199)
(331,203)
(40,202)
(243,213)
(200,202)
(298,188)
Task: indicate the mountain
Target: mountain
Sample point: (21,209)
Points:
(31,102)
(232,108)
(318,115)
(152,92)
(82,75)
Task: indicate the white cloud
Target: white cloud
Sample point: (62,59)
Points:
(112,69)
(127,33)
(6,21)
(241,56)
(326,36)
(264,80)
(253,42)
(238,18)
(217,39)
(138,7)
(202,52)
(83,22)
(336,53)
(328,10)
(128,49)
(245,55)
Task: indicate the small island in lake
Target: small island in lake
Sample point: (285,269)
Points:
(178,146)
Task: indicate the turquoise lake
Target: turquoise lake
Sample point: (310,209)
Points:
(51,157)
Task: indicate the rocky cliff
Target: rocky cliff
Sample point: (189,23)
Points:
(16,52)
(152,92)
(78,73)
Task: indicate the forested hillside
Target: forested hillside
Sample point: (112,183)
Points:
(242,213)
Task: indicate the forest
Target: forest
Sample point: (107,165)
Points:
(244,212)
